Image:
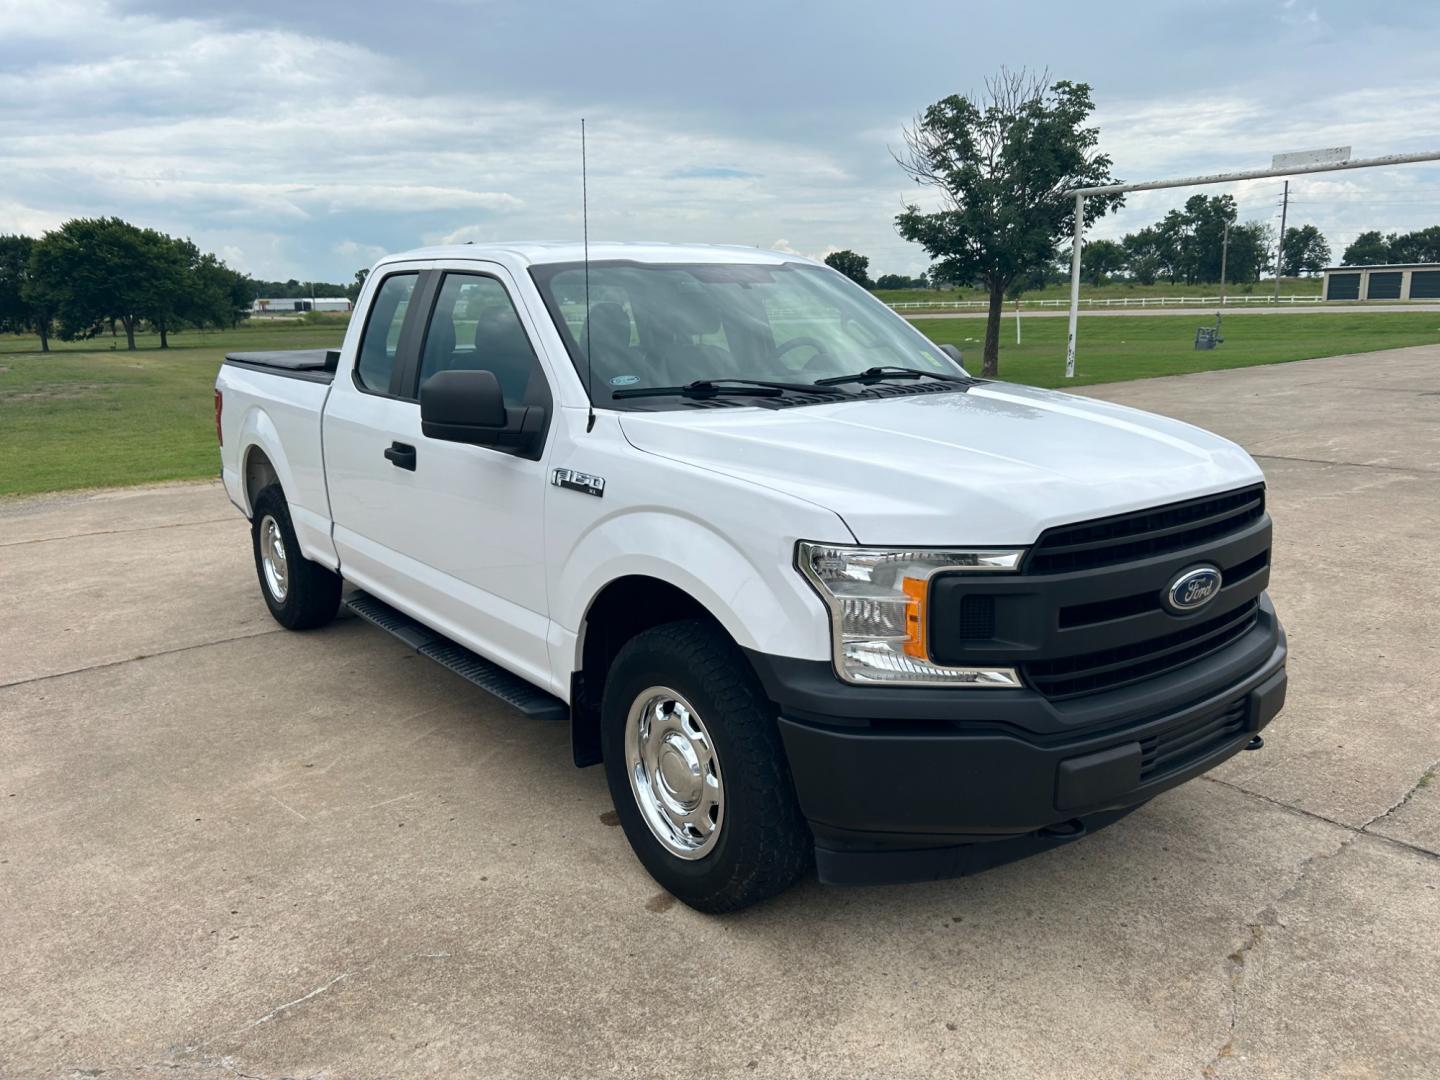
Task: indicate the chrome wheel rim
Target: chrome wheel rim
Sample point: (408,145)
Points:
(674,772)
(272,559)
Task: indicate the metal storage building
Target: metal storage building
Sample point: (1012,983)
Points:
(1397,281)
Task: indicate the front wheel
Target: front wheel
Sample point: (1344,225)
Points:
(697,771)
(299,593)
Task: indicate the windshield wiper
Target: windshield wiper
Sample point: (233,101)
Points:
(703,388)
(879,374)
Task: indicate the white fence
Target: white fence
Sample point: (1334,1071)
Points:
(1120,302)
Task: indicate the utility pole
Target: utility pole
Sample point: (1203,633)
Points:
(1224,256)
(1280,247)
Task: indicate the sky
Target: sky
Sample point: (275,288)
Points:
(306,140)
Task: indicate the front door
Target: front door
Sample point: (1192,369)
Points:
(450,533)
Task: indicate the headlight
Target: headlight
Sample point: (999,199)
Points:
(878,602)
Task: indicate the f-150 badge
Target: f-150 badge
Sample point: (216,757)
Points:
(579,481)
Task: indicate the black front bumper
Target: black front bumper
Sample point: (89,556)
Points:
(903,784)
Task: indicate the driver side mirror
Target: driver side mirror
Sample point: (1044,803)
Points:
(469,407)
(954,354)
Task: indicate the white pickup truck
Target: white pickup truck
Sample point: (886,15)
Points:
(811,593)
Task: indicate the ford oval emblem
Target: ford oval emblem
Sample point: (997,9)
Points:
(1193,589)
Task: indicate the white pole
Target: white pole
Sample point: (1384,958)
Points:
(1260,174)
(1017,320)
(1075,284)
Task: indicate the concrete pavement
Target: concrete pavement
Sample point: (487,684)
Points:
(228,849)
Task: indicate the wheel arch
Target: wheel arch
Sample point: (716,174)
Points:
(257,472)
(625,607)
(262,459)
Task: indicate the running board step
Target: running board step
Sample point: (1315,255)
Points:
(486,674)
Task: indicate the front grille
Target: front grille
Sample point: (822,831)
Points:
(1122,607)
(1171,751)
(1107,669)
(1144,533)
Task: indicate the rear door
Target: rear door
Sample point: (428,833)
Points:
(453,533)
(364,418)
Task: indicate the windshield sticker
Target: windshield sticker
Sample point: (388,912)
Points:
(624,380)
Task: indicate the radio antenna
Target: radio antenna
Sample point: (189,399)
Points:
(585,228)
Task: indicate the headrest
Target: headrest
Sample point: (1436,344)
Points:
(609,322)
(497,328)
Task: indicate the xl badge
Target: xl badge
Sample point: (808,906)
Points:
(1193,589)
(579,481)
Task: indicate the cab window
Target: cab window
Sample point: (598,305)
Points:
(381,339)
(474,327)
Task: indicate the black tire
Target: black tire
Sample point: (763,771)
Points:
(311,594)
(763,844)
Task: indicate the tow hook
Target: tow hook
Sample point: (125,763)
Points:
(1065,830)
(1255,744)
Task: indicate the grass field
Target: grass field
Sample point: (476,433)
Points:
(86,417)
(78,417)
(1115,290)
(1116,348)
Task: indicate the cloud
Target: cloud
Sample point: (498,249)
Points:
(354,250)
(280,139)
(712,172)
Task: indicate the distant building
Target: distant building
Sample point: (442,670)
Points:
(291,305)
(1397,281)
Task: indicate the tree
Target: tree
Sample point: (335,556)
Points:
(1368,249)
(1305,251)
(96,269)
(1101,258)
(214,294)
(352,291)
(854,266)
(22,309)
(899,281)
(174,294)
(1252,245)
(1190,240)
(1143,254)
(1004,168)
(1423,245)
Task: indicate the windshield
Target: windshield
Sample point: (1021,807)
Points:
(668,324)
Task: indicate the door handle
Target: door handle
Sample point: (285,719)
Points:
(401,455)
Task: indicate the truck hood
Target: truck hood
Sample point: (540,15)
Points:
(995,465)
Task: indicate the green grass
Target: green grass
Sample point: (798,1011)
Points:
(81,417)
(84,416)
(1117,348)
(1115,290)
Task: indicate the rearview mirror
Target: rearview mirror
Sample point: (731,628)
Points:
(469,407)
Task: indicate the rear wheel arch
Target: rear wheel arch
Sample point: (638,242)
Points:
(258,472)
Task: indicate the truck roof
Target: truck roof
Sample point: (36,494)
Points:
(538,252)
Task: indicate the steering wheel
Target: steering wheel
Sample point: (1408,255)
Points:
(821,352)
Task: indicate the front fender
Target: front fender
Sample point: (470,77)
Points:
(760,599)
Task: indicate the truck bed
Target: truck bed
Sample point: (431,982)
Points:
(312,365)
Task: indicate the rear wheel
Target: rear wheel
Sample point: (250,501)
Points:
(697,771)
(299,593)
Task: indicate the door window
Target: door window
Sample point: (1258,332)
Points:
(475,328)
(381,339)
